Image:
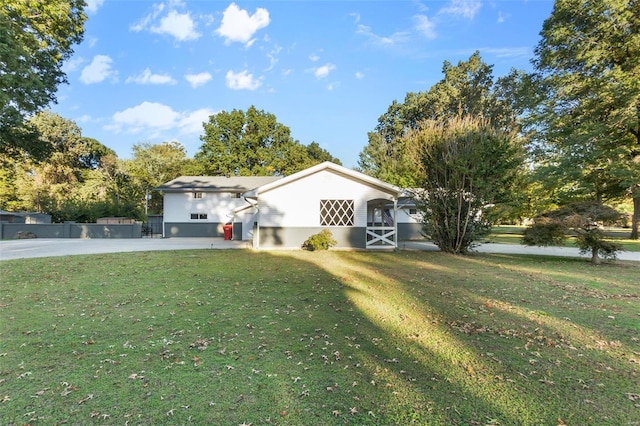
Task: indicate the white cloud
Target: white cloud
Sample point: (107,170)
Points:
(148,116)
(273,57)
(502,17)
(93,5)
(238,25)
(191,123)
(146,77)
(85,118)
(314,58)
(98,70)
(72,64)
(425,26)
(146,21)
(323,71)
(197,80)
(179,25)
(157,120)
(359,75)
(464,8)
(242,80)
(392,40)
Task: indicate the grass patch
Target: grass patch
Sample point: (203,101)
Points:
(513,235)
(291,338)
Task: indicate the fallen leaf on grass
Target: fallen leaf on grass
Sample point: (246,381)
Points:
(40,393)
(83,400)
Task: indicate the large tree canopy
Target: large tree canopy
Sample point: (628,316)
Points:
(80,180)
(36,37)
(588,127)
(253,143)
(468,89)
(469,167)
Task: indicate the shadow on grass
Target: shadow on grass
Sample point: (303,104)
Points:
(488,332)
(290,338)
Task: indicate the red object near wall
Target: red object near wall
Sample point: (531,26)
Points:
(228,231)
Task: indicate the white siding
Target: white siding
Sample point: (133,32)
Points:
(218,207)
(297,204)
(247,217)
(405,217)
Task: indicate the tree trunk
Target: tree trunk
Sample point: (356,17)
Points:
(595,259)
(636,216)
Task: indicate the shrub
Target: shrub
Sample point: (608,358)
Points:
(592,240)
(467,167)
(545,233)
(582,219)
(320,241)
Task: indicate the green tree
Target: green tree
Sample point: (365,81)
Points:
(94,153)
(36,37)
(252,143)
(9,194)
(470,167)
(81,179)
(468,89)
(588,126)
(44,184)
(317,154)
(153,165)
(583,220)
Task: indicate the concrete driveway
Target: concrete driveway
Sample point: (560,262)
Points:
(46,247)
(43,247)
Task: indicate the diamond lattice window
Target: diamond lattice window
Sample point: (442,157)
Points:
(336,212)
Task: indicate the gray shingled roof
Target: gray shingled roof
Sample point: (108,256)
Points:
(216,183)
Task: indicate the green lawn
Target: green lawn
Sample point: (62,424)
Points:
(300,338)
(513,235)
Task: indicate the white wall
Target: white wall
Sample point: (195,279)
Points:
(405,217)
(247,217)
(218,207)
(297,204)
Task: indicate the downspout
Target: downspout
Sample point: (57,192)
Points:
(257,236)
(395,221)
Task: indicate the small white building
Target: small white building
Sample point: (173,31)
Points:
(199,206)
(360,211)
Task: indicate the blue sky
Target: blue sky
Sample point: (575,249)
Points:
(154,71)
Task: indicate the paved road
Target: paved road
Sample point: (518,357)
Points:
(43,247)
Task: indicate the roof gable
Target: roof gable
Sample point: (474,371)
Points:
(216,183)
(328,166)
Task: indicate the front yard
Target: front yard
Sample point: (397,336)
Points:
(290,338)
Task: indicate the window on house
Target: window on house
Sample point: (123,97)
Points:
(336,212)
(198,216)
(236,194)
(413,211)
(197,195)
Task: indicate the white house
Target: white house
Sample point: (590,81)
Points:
(360,211)
(199,206)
